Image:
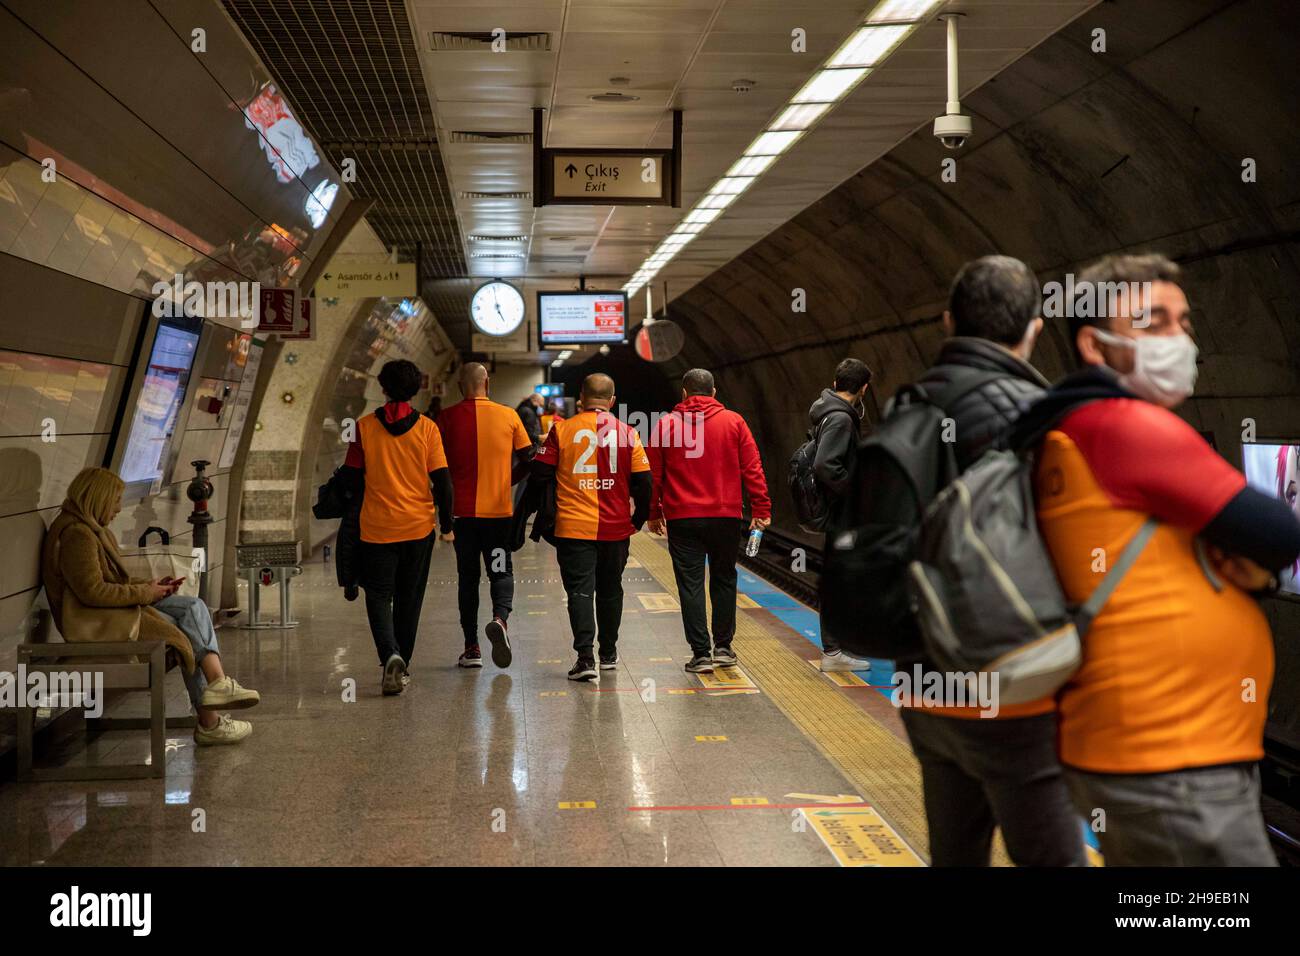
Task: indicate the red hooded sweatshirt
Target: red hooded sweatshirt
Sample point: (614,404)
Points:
(700,454)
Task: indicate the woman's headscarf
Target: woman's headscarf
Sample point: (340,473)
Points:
(92,497)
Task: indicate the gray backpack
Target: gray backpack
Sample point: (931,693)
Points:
(984,589)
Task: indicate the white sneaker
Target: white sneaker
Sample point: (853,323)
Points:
(840,661)
(226,694)
(227,731)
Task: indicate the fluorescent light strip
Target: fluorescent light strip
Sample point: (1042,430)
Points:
(882,31)
(869,45)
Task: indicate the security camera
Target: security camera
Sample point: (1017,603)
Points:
(953,129)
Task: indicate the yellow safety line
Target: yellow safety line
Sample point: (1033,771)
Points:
(873,758)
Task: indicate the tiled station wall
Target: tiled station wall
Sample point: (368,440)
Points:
(65,348)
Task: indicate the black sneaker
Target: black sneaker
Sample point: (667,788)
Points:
(608,661)
(584,669)
(724,656)
(351,592)
(471,658)
(700,664)
(496,634)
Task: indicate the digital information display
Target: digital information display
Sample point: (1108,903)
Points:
(158,406)
(576,318)
(1274,469)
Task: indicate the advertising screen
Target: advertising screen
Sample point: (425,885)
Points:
(1275,470)
(165,379)
(576,318)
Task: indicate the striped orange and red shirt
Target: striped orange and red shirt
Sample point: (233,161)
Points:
(480,437)
(594,455)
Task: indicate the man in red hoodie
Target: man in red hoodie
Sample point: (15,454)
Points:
(700,456)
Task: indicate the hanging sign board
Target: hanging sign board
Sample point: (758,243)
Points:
(377,280)
(606,177)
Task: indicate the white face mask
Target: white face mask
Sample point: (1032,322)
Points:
(1164,366)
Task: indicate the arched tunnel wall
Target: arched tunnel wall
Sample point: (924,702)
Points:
(1075,154)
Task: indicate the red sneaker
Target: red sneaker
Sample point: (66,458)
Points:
(496,633)
(471,657)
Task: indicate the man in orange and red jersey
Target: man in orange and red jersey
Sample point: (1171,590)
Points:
(701,459)
(486,446)
(597,464)
(1162,726)
(398,458)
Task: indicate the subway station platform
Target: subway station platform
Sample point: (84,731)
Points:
(771,763)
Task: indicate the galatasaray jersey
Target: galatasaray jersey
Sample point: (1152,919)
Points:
(594,455)
(1176,672)
(480,437)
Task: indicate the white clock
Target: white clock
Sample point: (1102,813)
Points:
(497,308)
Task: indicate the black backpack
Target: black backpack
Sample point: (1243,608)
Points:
(865,604)
(812,506)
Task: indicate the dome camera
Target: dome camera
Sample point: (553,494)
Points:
(953,129)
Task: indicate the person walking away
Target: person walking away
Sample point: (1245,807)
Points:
(835,418)
(598,467)
(1162,726)
(398,463)
(486,445)
(702,458)
(978,772)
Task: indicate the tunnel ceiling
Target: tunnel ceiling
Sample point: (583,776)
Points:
(352,74)
(1075,154)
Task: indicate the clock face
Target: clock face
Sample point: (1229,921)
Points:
(497,308)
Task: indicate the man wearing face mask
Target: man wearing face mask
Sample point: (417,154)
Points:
(1162,726)
(979,772)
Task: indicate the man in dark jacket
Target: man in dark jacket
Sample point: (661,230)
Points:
(530,413)
(980,772)
(835,419)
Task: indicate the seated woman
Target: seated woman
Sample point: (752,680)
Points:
(80,555)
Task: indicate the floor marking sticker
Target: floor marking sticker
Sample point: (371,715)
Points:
(662,601)
(554,693)
(551,660)
(860,837)
(710,739)
(739,691)
(725,678)
(682,690)
(578,805)
(536,612)
(749,802)
(825,798)
(660,660)
(839,678)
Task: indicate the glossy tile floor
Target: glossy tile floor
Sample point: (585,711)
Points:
(490,767)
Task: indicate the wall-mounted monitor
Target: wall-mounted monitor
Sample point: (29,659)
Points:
(142,457)
(580,318)
(1273,467)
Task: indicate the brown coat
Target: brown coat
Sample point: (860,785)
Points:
(73,557)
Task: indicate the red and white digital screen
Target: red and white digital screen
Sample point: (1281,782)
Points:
(576,318)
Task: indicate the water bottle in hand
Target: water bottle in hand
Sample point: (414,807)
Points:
(751,546)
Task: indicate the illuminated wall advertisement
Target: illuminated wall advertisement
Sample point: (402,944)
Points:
(582,317)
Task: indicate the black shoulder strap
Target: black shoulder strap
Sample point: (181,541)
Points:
(815,434)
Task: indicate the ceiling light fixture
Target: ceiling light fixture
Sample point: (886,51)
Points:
(875,38)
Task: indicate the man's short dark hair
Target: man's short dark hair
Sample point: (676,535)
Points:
(400,379)
(1107,271)
(994,298)
(851,375)
(698,381)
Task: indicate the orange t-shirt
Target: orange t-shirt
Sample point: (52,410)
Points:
(594,455)
(398,503)
(1175,674)
(480,437)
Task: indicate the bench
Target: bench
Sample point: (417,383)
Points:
(120,673)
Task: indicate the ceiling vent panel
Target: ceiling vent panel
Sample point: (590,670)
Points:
(481,42)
